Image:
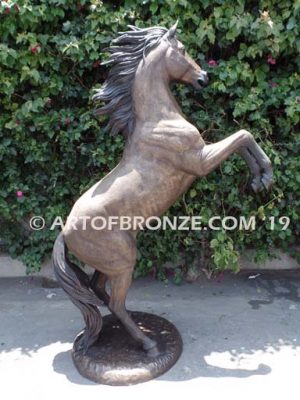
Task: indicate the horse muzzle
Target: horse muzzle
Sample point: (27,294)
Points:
(202,78)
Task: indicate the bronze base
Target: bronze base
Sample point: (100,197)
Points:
(117,359)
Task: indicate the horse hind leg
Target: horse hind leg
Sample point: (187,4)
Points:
(119,287)
(97,283)
(76,284)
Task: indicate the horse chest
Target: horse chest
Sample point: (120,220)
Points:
(159,196)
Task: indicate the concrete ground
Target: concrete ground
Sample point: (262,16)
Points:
(241,339)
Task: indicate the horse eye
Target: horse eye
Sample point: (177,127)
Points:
(183,50)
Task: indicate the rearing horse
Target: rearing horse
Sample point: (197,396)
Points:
(163,155)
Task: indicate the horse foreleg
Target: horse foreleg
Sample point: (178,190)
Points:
(253,166)
(213,155)
(264,162)
(119,288)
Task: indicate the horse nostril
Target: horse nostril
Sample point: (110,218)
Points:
(203,78)
(203,82)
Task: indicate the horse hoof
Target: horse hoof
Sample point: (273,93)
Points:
(267,181)
(153,352)
(256,185)
(151,348)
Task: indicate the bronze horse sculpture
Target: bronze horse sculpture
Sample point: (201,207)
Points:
(163,155)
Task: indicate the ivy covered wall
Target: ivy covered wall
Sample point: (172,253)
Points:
(52,149)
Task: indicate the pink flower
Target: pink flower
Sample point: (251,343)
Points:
(19,193)
(212,63)
(271,60)
(35,49)
(273,84)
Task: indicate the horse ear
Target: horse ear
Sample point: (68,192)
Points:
(172,31)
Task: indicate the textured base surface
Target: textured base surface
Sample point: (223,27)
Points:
(116,358)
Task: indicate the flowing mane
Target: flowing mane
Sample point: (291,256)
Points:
(126,53)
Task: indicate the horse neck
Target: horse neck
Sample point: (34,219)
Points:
(152,98)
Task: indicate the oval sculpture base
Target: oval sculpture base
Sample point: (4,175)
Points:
(117,359)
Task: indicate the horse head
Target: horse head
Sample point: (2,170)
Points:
(143,57)
(180,67)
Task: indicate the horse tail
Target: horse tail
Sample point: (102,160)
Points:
(76,284)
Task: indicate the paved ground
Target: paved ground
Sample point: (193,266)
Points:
(241,340)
